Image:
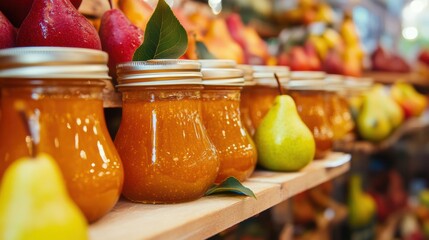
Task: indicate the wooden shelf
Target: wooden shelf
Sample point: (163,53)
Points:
(409,126)
(212,214)
(391,77)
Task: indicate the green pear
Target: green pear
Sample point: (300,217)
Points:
(373,123)
(388,105)
(34,203)
(283,141)
(361,205)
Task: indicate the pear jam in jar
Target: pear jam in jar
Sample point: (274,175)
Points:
(61,91)
(221,117)
(166,152)
(262,95)
(308,91)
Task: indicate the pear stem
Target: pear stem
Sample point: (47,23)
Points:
(110,3)
(28,126)
(279,85)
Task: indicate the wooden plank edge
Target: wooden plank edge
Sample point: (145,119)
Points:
(203,220)
(230,213)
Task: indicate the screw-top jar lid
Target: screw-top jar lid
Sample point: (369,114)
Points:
(319,85)
(357,85)
(334,82)
(222,77)
(221,72)
(158,72)
(53,63)
(248,74)
(217,63)
(307,80)
(307,75)
(264,75)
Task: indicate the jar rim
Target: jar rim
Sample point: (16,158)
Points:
(217,63)
(159,72)
(264,75)
(53,63)
(222,76)
(307,75)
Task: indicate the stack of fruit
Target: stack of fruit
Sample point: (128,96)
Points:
(382,60)
(336,52)
(379,111)
(306,12)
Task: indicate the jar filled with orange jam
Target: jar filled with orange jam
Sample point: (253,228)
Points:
(166,152)
(311,102)
(262,95)
(221,117)
(337,107)
(61,91)
(246,97)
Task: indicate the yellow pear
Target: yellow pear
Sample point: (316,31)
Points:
(34,203)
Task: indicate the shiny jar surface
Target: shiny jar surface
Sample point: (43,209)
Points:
(245,99)
(166,152)
(72,130)
(339,115)
(221,117)
(260,101)
(311,106)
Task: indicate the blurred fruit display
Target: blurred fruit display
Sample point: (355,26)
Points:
(389,62)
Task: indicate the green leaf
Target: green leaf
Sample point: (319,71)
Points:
(164,37)
(203,52)
(230,185)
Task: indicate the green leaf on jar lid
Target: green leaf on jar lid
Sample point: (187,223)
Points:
(232,186)
(164,37)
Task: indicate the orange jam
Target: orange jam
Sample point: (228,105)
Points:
(245,110)
(235,148)
(60,89)
(260,102)
(311,105)
(339,115)
(72,130)
(166,153)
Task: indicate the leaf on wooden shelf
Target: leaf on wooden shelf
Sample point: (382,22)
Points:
(232,186)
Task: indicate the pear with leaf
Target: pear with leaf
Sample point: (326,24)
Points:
(34,203)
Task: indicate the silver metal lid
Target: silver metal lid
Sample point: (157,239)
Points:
(319,85)
(358,84)
(159,72)
(264,75)
(307,75)
(248,74)
(222,77)
(334,82)
(217,63)
(53,63)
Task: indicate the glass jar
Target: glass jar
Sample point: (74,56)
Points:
(337,107)
(166,152)
(262,95)
(61,89)
(246,97)
(311,102)
(221,117)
